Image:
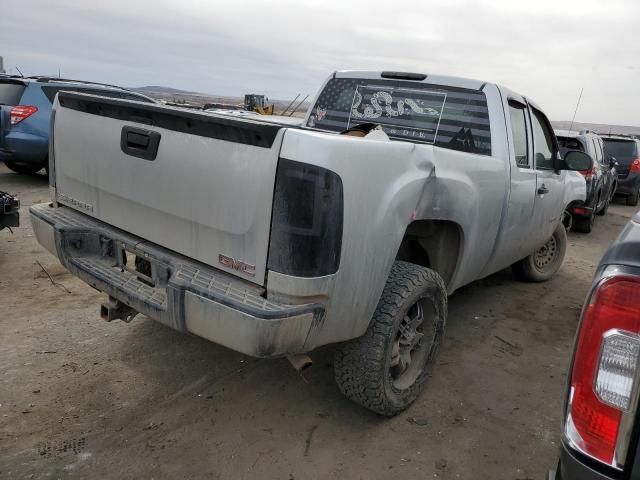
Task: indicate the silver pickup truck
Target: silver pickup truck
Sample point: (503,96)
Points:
(273,239)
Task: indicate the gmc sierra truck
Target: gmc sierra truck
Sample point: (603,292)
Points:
(273,239)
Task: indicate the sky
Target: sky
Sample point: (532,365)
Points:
(547,50)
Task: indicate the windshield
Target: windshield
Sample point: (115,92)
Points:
(450,117)
(623,150)
(10,93)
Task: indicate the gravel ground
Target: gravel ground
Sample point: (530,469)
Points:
(81,398)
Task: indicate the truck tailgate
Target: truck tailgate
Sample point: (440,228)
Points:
(196,183)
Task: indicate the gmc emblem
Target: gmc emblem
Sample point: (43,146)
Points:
(237,265)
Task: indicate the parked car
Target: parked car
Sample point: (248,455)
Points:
(600,428)
(274,239)
(602,178)
(9,211)
(25,116)
(626,152)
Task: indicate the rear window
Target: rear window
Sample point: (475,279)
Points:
(11,93)
(449,117)
(51,91)
(623,150)
(570,143)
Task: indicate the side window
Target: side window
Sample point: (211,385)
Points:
(544,146)
(603,153)
(518,116)
(597,153)
(51,92)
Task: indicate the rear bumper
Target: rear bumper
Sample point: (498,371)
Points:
(24,148)
(629,184)
(183,294)
(571,468)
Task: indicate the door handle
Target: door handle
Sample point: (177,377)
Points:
(140,143)
(543,189)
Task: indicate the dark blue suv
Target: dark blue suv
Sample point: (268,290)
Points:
(25,112)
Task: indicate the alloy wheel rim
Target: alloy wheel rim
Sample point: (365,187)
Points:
(414,343)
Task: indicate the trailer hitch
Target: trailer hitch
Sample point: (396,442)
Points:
(114,309)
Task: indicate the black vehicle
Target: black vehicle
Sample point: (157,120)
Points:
(602,178)
(9,206)
(600,427)
(626,152)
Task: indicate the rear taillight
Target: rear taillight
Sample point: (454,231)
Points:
(20,112)
(306,223)
(588,174)
(579,210)
(635,165)
(604,376)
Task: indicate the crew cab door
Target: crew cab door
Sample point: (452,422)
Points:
(549,192)
(515,241)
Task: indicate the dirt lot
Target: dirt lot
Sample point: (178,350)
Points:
(81,398)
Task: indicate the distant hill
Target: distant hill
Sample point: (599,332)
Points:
(175,95)
(158,89)
(598,128)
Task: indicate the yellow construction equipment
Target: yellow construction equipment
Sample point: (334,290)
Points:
(257,103)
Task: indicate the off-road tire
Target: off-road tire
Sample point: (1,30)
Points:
(530,270)
(22,169)
(363,366)
(632,200)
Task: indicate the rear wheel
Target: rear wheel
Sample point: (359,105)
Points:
(605,205)
(386,368)
(543,264)
(632,200)
(22,168)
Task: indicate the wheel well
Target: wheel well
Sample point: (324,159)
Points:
(435,244)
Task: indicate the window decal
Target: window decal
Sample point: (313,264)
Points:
(390,107)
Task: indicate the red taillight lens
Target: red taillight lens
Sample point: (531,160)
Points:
(579,211)
(604,367)
(635,165)
(20,112)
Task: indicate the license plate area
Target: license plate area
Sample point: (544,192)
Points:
(132,262)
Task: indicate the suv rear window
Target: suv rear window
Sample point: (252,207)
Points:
(11,92)
(449,117)
(570,143)
(624,150)
(51,91)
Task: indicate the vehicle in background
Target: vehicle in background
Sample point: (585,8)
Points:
(25,116)
(601,179)
(626,152)
(9,211)
(274,238)
(600,428)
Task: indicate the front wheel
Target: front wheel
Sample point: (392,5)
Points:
(386,368)
(543,264)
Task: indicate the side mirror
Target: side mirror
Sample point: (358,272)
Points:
(577,160)
(613,162)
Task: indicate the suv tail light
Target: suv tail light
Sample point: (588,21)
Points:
(306,223)
(604,378)
(20,112)
(635,165)
(588,174)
